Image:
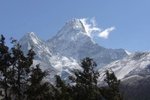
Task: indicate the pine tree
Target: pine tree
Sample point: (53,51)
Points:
(38,90)
(63,90)
(86,82)
(20,71)
(111,92)
(5,63)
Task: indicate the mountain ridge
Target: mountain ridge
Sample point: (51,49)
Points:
(63,52)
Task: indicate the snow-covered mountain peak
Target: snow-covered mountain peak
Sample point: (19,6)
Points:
(74,30)
(31,36)
(75,24)
(31,40)
(74,40)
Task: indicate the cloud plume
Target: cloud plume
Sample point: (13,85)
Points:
(105,33)
(92,28)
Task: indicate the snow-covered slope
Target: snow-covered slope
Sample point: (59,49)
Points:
(62,53)
(137,64)
(54,63)
(74,41)
(134,73)
(43,53)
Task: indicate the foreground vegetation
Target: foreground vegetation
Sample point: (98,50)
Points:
(20,80)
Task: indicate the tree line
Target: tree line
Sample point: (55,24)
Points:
(20,80)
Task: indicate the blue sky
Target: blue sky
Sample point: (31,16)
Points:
(131,19)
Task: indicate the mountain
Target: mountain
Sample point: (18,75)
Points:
(43,53)
(134,73)
(62,53)
(53,63)
(74,41)
(136,64)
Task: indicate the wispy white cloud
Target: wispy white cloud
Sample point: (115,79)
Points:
(91,27)
(105,33)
